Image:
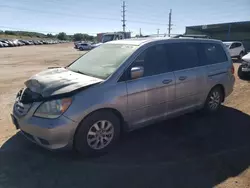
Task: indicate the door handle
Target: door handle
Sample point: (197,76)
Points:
(167,81)
(182,78)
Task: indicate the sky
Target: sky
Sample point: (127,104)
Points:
(95,16)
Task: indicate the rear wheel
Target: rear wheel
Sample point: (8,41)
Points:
(97,133)
(214,100)
(241,55)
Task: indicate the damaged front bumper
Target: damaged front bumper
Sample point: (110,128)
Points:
(49,133)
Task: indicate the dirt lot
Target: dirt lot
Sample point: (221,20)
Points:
(191,151)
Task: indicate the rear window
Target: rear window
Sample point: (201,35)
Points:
(214,53)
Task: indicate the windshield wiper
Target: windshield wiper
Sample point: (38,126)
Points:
(77,71)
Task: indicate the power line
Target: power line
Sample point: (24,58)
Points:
(170,22)
(123,16)
(77,16)
(158,31)
(56,13)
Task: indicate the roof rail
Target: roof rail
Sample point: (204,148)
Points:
(192,36)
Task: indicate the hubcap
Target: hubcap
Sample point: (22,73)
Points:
(100,134)
(214,100)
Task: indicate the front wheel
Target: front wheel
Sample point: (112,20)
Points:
(241,74)
(214,100)
(97,133)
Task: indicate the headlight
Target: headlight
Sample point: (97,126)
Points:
(53,109)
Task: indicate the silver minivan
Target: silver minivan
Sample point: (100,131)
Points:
(121,86)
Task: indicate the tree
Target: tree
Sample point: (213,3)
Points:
(10,32)
(62,36)
(78,37)
(49,35)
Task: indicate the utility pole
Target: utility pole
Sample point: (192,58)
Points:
(140,33)
(158,32)
(123,16)
(170,22)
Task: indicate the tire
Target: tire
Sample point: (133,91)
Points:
(241,74)
(89,141)
(214,100)
(81,49)
(241,55)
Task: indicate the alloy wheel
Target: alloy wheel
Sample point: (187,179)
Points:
(100,134)
(214,100)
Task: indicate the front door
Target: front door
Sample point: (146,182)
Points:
(150,95)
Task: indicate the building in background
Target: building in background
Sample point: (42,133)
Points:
(100,35)
(234,31)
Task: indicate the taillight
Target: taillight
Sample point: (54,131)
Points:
(232,69)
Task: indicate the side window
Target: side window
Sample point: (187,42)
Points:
(238,44)
(183,55)
(154,60)
(214,53)
(233,46)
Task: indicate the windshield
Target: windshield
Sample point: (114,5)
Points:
(107,38)
(101,62)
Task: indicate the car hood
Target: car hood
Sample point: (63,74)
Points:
(58,81)
(246,58)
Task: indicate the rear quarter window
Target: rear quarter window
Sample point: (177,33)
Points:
(213,53)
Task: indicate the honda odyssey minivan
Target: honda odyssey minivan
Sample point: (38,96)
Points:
(121,86)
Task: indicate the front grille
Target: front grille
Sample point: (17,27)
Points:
(21,109)
(29,96)
(23,102)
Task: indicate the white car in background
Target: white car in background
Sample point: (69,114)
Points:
(236,49)
(84,46)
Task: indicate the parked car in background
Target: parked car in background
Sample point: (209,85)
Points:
(244,68)
(35,42)
(4,44)
(77,43)
(22,42)
(16,42)
(122,85)
(236,49)
(84,46)
(10,44)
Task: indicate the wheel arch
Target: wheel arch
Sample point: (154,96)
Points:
(123,125)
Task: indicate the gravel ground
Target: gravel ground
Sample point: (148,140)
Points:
(193,151)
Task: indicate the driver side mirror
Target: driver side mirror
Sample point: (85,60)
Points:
(136,72)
